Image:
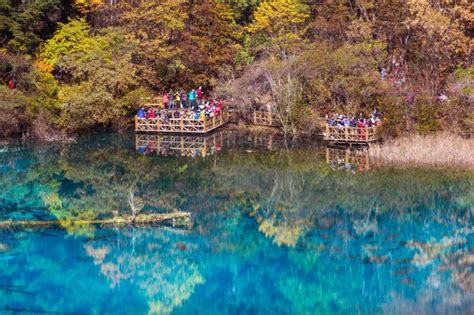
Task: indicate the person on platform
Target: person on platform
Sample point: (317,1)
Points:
(141,113)
(184,99)
(171,99)
(200,95)
(192,98)
(166,99)
(177,98)
(151,113)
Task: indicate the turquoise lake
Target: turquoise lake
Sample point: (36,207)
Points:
(277,228)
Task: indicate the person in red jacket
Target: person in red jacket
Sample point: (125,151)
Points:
(200,95)
(218,109)
(151,113)
(11,84)
(360,128)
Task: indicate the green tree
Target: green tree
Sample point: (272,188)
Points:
(243,9)
(24,26)
(32,104)
(13,105)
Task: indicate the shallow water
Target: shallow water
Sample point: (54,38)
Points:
(277,229)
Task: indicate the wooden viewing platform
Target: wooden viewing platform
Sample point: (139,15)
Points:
(181,124)
(350,135)
(265,118)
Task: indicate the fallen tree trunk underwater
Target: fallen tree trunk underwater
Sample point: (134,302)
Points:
(175,219)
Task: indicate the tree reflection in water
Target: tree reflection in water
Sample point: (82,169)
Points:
(275,231)
(150,261)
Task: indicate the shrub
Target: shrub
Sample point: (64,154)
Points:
(426,113)
(395,115)
(85,106)
(13,105)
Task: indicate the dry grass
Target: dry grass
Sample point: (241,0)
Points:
(439,150)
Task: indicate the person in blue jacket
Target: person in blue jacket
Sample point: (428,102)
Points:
(141,113)
(192,98)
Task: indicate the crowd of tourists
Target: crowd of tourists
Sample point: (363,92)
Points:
(395,73)
(206,110)
(182,104)
(183,99)
(341,120)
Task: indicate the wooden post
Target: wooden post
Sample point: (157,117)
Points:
(182,123)
(270,118)
(328,159)
(136,123)
(367,133)
(205,125)
(213,121)
(157,124)
(347,133)
(327,131)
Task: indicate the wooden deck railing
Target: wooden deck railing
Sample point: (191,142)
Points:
(265,118)
(350,134)
(180,125)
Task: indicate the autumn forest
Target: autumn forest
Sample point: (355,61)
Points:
(69,66)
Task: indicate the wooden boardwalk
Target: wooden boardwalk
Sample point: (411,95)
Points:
(350,135)
(265,118)
(181,124)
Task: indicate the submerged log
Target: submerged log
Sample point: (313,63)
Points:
(175,219)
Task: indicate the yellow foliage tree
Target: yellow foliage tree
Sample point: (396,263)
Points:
(86,6)
(156,25)
(437,40)
(280,23)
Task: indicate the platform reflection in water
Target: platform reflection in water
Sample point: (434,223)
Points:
(349,159)
(204,145)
